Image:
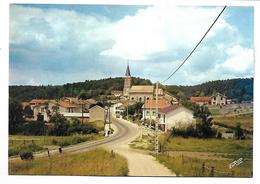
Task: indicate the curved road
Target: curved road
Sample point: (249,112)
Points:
(139,163)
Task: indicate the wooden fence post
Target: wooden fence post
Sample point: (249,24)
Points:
(212,171)
(203,168)
(48,152)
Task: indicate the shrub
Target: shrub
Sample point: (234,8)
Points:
(26,154)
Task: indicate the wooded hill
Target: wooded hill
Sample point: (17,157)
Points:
(241,89)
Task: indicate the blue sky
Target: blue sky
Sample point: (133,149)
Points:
(57,44)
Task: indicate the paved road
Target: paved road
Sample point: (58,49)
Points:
(140,163)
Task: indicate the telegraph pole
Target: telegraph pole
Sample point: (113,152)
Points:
(156,121)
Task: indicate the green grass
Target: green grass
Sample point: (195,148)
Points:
(245,120)
(215,111)
(98,162)
(186,166)
(237,148)
(17,143)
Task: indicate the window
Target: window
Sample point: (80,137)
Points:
(132,98)
(140,99)
(147,98)
(214,98)
(148,113)
(221,98)
(154,113)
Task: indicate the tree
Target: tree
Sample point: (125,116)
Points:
(203,127)
(60,125)
(15,116)
(83,95)
(239,132)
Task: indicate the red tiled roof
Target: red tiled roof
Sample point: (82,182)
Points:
(200,99)
(152,104)
(168,109)
(39,101)
(24,104)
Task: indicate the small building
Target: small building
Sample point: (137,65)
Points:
(170,98)
(141,93)
(201,100)
(175,116)
(96,113)
(218,99)
(149,108)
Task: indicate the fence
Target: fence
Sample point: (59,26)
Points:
(212,171)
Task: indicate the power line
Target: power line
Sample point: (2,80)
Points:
(196,45)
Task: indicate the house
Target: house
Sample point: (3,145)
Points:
(141,93)
(174,116)
(201,100)
(170,98)
(96,113)
(117,93)
(218,99)
(118,108)
(149,108)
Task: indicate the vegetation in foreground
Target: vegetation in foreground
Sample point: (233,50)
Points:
(186,166)
(98,162)
(19,143)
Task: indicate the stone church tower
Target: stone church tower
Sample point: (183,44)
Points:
(127,83)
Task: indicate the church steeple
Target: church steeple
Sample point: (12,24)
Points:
(127,72)
(127,82)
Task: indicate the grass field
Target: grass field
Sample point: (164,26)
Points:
(39,143)
(237,148)
(186,166)
(245,120)
(98,162)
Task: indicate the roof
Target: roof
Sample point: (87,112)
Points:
(39,101)
(141,89)
(168,108)
(169,97)
(75,114)
(24,104)
(67,104)
(200,99)
(96,106)
(152,104)
(127,72)
(218,94)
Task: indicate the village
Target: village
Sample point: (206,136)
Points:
(171,113)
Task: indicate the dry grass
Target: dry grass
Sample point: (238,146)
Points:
(98,162)
(186,166)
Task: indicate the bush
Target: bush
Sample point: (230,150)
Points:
(26,155)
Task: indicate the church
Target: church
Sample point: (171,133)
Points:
(139,93)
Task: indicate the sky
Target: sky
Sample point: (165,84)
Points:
(58,44)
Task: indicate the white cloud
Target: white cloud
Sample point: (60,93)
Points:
(157,38)
(160,30)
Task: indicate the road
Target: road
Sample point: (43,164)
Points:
(139,163)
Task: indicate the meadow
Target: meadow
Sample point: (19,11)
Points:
(187,166)
(40,143)
(245,120)
(97,162)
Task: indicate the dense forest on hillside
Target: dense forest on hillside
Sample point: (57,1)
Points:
(92,88)
(241,89)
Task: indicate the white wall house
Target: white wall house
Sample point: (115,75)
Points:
(175,116)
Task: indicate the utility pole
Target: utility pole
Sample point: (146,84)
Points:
(82,115)
(156,121)
(127,108)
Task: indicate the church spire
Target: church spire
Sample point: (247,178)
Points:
(127,72)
